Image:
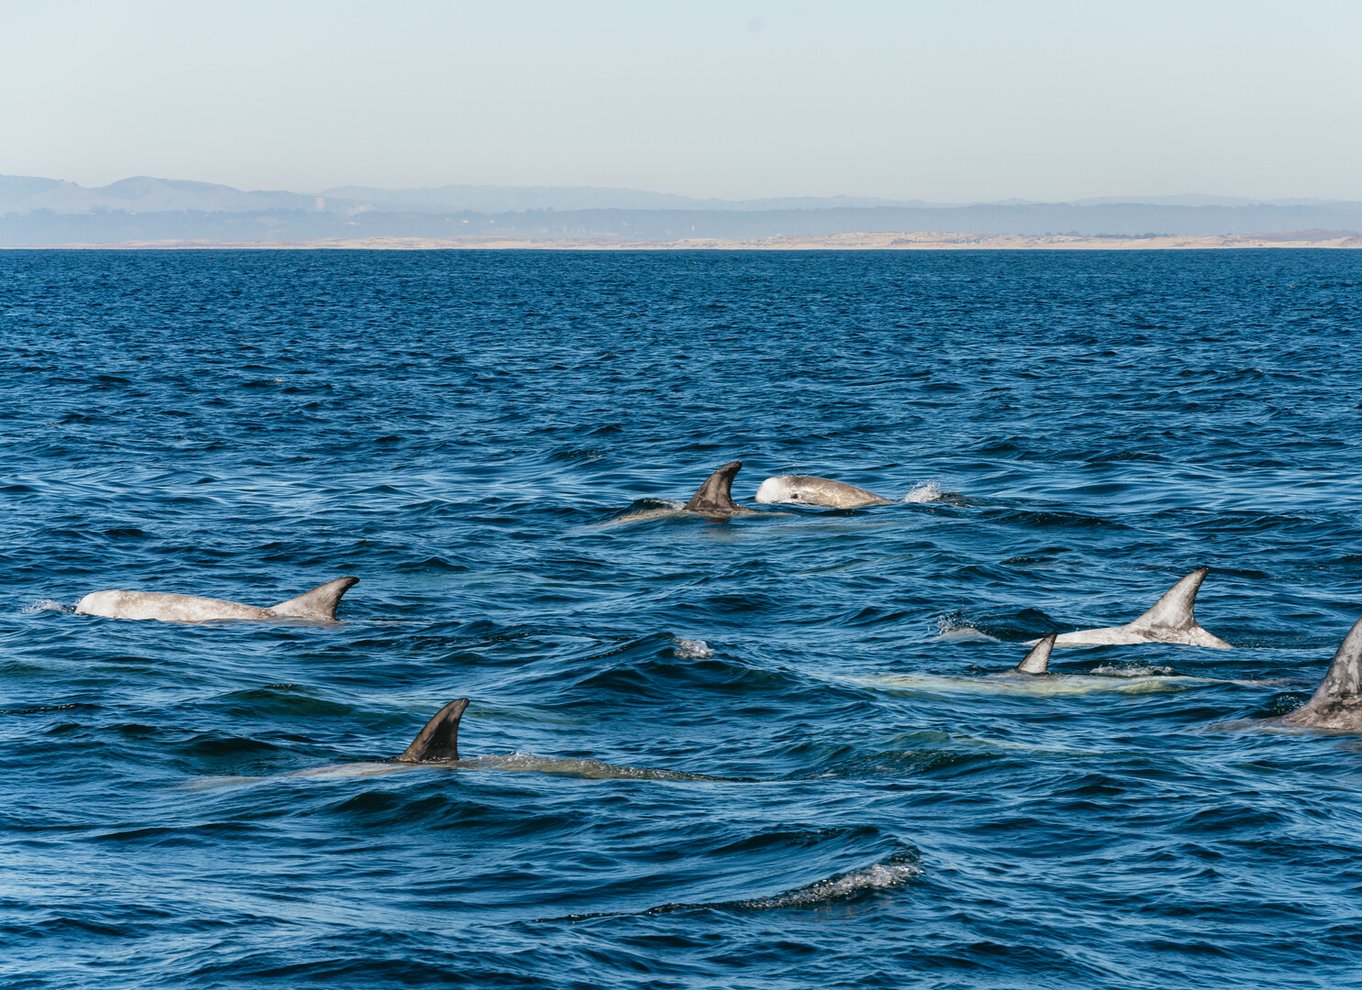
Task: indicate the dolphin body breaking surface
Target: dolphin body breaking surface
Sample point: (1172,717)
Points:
(1171,620)
(317,605)
(806,489)
(1337,702)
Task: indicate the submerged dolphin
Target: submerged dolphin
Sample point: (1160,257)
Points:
(1337,702)
(805,489)
(1171,620)
(319,604)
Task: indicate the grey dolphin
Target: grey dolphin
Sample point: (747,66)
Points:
(439,740)
(438,743)
(1037,661)
(1171,620)
(806,489)
(1337,702)
(715,496)
(318,605)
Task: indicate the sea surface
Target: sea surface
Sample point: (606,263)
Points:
(777,751)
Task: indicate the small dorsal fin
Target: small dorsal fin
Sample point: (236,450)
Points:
(1037,661)
(319,603)
(1343,681)
(716,494)
(1175,610)
(439,740)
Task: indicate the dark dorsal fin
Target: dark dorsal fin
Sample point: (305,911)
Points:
(1038,660)
(319,603)
(1175,610)
(1343,681)
(716,494)
(439,740)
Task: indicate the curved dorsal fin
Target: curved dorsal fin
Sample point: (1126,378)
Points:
(439,740)
(319,603)
(716,494)
(1343,681)
(1037,661)
(1175,610)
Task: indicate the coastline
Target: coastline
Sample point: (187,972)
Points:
(893,241)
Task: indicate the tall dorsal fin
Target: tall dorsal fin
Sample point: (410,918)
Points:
(1037,661)
(1343,681)
(716,494)
(319,603)
(439,740)
(1175,610)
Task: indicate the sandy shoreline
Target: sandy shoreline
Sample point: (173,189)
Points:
(902,241)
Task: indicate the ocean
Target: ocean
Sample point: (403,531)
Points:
(772,751)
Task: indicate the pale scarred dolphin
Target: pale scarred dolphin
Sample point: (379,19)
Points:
(1337,702)
(806,489)
(1171,620)
(317,605)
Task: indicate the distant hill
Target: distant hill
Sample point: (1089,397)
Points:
(40,212)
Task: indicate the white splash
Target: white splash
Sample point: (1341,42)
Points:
(926,491)
(46,605)
(881,876)
(954,629)
(691,649)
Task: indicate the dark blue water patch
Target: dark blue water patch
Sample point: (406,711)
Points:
(779,750)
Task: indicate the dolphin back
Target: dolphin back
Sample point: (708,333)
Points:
(439,740)
(319,603)
(715,496)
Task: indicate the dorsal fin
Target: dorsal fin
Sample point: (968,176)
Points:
(1343,681)
(1175,610)
(1037,661)
(319,603)
(716,494)
(439,740)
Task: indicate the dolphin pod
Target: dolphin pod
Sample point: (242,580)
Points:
(806,489)
(317,605)
(1170,620)
(1336,703)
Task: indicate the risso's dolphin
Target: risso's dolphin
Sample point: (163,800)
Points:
(438,743)
(805,489)
(1037,661)
(1171,620)
(715,496)
(317,605)
(1337,702)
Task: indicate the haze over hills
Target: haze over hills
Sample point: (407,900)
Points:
(42,212)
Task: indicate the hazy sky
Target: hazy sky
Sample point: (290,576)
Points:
(946,100)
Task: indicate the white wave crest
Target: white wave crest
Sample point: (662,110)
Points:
(881,876)
(691,649)
(46,605)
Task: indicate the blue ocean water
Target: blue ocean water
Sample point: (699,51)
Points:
(767,752)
